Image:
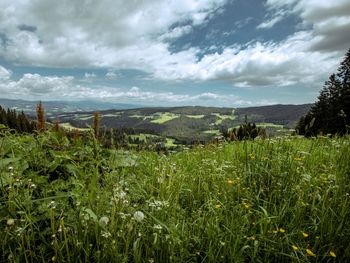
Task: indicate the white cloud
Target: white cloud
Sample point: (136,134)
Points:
(88,75)
(330,21)
(4,73)
(270,23)
(260,64)
(132,34)
(92,33)
(176,32)
(111,75)
(37,87)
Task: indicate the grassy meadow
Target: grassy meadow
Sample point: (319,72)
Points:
(274,200)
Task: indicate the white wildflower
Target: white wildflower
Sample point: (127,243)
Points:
(139,216)
(157,227)
(10,221)
(104,220)
(106,234)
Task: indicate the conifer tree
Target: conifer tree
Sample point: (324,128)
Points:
(331,112)
(96,125)
(40,113)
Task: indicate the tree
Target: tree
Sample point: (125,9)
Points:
(96,125)
(40,114)
(331,112)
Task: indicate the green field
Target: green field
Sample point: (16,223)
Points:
(162,117)
(215,132)
(275,200)
(221,117)
(69,127)
(201,116)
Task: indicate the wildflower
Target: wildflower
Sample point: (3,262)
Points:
(230,182)
(332,254)
(53,259)
(245,205)
(139,216)
(282,230)
(297,159)
(10,221)
(295,248)
(106,234)
(305,234)
(33,186)
(217,206)
(310,253)
(157,227)
(274,231)
(52,205)
(104,220)
(222,243)
(10,168)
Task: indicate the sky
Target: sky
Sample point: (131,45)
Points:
(229,53)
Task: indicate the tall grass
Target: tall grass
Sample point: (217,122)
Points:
(276,200)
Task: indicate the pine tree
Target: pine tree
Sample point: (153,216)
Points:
(331,112)
(40,113)
(96,125)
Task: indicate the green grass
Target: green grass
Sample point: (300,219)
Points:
(268,125)
(117,114)
(161,117)
(215,132)
(221,117)
(69,127)
(241,202)
(170,142)
(195,116)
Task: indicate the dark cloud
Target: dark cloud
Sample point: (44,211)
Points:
(24,27)
(333,39)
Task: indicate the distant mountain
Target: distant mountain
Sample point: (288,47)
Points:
(286,115)
(56,107)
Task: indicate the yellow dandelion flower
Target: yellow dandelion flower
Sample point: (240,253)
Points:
(332,254)
(230,182)
(282,230)
(295,248)
(297,159)
(310,253)
(217,206)
(305,234)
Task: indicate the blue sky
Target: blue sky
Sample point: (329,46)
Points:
(232,53)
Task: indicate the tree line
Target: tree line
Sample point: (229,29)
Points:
(16,121)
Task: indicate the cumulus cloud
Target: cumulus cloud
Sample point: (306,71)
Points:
(4,73)
(84,32)
(35,87)
(134,34)
(330,21)
(259,64)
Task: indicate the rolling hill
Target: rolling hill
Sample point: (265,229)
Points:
(183,124)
